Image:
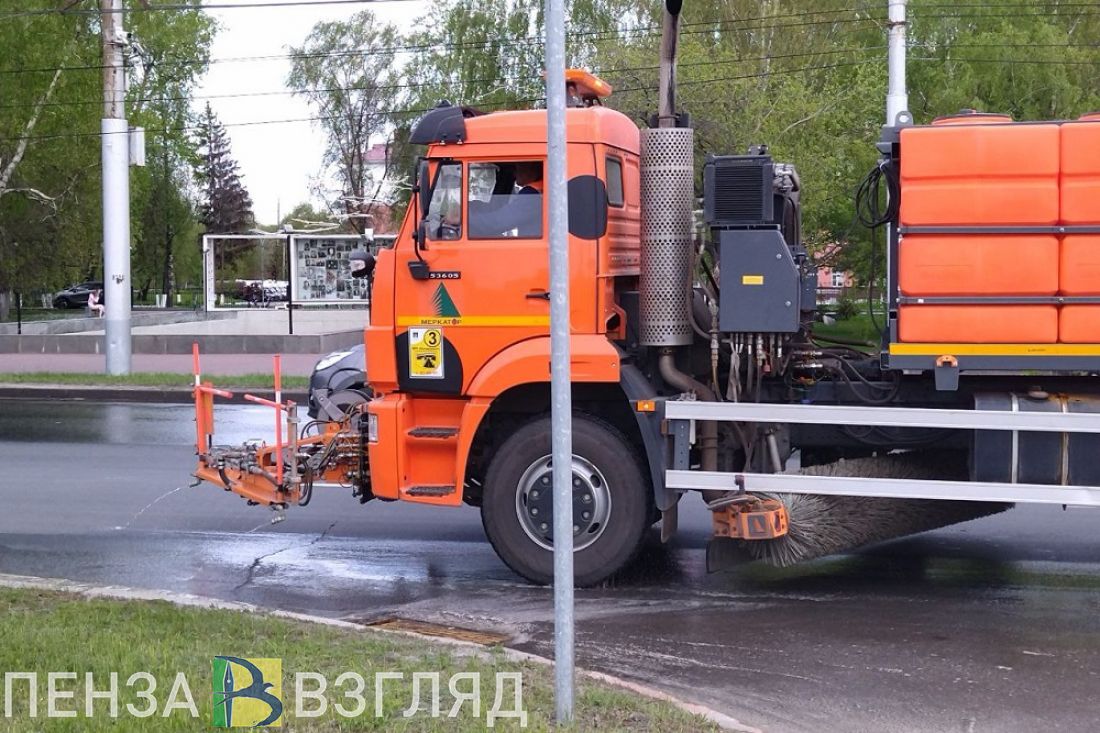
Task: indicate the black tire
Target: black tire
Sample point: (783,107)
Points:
(63,304)
(627,488)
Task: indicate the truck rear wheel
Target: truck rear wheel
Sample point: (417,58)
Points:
(611,504)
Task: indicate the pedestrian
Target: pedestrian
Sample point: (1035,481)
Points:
(95,303)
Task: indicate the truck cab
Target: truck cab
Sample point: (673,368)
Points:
(459,333)
(461,303)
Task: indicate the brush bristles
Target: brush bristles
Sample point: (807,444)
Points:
(825,525)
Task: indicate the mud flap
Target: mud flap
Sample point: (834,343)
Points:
(638,389)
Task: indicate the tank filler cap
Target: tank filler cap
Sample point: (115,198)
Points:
(972,117)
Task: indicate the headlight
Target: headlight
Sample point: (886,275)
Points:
(372,428)
(330,360)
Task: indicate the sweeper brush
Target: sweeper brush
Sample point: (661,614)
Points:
(825,525)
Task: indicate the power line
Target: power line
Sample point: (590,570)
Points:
(704,27)
(1043,62)
(595,36)
(393,87)
(185,7)
(404,112)
(1016,6)
(536,100)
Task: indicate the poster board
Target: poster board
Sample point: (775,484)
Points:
(320,269)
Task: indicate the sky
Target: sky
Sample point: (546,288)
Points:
(277,161)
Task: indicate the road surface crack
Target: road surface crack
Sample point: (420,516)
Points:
(251,573)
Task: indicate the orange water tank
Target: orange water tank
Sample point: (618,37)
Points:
(979,170)
(979,324)
(970,264)
(1080,264)
(976,169)
(1080,163)
(1080,258)
(1079,324)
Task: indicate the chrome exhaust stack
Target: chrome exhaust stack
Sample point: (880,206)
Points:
(668,197)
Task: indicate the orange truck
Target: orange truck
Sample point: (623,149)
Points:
(698,358)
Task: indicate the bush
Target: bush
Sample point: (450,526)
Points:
(846,307)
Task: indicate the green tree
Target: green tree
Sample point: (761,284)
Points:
(51,82)
(175,52)
(345,69)
(226,207)
(46,173)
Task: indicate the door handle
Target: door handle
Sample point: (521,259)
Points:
(539,295)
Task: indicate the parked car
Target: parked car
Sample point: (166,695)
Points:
(76,296)
(341,377)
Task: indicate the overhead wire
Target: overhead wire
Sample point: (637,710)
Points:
(187,7)
(532,100)
(417,85)
(594,35)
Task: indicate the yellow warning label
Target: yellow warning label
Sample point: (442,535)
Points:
(752,279)
(426,353)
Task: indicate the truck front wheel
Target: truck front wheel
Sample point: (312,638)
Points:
(610,501)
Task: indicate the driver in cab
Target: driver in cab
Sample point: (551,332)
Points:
(514,206)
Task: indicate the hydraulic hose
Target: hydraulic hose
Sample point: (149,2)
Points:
(708,429)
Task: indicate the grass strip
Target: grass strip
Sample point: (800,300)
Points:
(46,631)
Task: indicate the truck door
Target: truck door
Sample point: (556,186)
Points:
(487,280)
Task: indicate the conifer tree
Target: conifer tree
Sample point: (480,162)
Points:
(226,206)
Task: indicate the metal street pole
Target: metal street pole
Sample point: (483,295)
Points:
(561,403)
(115,139)
(897,96)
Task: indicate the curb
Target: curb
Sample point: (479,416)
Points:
(119,592)
(154,395)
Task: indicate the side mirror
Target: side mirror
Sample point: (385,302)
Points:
(362,263)
(587,207)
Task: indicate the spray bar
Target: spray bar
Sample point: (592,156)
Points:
(244,469)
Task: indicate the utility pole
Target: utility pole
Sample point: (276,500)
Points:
(115,140)
(561,403)
(166,282)
(897,96)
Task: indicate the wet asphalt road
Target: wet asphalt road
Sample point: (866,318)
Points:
(988,626)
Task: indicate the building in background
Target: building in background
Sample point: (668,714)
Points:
(832,282)
(380,190)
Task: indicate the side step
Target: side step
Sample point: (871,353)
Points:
(440,490)
(433,433)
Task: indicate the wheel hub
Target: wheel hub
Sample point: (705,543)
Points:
(535,503)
